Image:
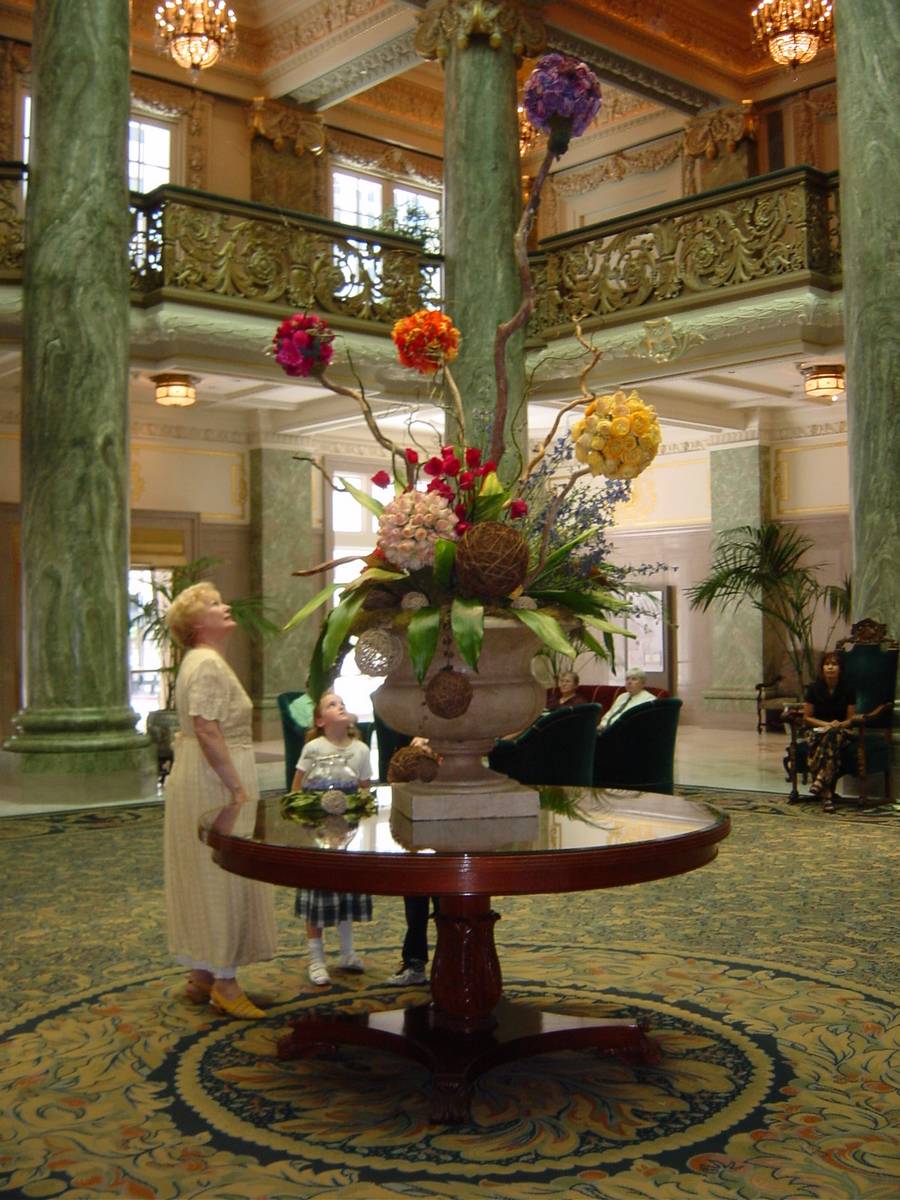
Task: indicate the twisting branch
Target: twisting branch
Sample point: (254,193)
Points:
(525,309)
(550,519)
(457,403)
(328,566)
(586,394)
(359,396)
(318,466)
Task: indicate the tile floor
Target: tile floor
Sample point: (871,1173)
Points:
(704,757)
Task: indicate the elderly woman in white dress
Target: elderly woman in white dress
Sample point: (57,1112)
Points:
(635,694)
(217,921)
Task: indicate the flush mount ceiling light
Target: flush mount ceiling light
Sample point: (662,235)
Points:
(823,382)
(793,30)
(175,390)
(197,33)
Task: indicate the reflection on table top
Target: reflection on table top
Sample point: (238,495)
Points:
(570,819)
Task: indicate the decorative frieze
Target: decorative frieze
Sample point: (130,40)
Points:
(382,62)
(282,125)
(371,155)
(642,160)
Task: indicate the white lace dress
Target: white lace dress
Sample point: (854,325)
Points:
(216,920)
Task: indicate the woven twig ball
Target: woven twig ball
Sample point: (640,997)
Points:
(448,693)
(410,763)
(413,600)
(377,652)
(491,560)
(377,598)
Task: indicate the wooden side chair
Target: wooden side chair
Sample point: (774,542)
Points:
(869,666)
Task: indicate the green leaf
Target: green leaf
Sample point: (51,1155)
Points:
(444,558)
(315,679)
(588,601)
(363,498)
(547,628)
(608,627)
(338,626)
(373,575)
(311,605)
(422,639)
(467,623)
(492,496)
(553,560)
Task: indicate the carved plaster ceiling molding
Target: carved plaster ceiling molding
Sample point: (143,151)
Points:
(376,65)
(399,98)
(321,26)
(578,180)
(444,24)
(188,433)
(282,123)
(711,134)
(632,76)
(370,155)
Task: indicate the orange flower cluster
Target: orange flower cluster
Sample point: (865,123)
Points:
(426,340)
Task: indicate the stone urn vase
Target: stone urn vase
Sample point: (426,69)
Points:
(506,698)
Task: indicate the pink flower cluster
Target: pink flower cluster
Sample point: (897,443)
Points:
(303,344)
(454,475)
(410,526)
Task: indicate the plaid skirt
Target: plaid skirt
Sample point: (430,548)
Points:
(327,909)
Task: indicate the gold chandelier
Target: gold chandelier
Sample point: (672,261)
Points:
(197,33)
(793,30)
(528,135)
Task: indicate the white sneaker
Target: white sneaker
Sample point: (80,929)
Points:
(318,974)
(351,962)
(407,977)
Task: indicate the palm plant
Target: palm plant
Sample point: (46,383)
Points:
(150,619)
(763,565)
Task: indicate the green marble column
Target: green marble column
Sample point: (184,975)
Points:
(76,717)
(868,71)
(283,541)
(743,652)
(482,190)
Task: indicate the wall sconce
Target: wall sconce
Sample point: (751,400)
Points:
(823,382)
(175,391)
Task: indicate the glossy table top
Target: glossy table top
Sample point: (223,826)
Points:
(581,839)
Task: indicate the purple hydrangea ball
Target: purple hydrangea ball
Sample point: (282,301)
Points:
(562,97)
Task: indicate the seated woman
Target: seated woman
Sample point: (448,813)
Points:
(829,711)
(635,693)
(568,691)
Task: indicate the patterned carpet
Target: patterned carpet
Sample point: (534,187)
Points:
(767,978)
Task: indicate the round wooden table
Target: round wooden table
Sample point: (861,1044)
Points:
(582,839)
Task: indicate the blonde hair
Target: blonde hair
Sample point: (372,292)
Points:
(186,608)
(315,729)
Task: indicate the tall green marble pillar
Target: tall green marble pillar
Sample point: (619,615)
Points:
(743,651)
(482,198)
(76,718)
(868,32)
(283,541)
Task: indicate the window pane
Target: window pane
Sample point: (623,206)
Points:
(346,513)
(149,155)
(356,200)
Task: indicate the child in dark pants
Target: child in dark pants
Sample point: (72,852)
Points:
(415,943)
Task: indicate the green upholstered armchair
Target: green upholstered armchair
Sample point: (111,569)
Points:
(293,735)
(869,666)
(558,748)
(638,750)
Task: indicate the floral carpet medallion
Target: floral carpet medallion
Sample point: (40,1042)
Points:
(777,1080)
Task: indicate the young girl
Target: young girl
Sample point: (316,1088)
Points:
(333,735)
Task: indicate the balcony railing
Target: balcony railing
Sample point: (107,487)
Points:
(761,235)
(206,249)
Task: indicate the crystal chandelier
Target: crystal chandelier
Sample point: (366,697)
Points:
(197,33)
(793,30)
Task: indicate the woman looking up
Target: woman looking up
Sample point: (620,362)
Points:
(217,921)
(829,711)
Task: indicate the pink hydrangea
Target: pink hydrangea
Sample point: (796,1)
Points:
(410,526)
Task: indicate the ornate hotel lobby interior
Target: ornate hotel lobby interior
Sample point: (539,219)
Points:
(683,984)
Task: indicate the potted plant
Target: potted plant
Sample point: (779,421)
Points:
(764,566)
(149,620)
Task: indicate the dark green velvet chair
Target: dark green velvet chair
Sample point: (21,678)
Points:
(869,665)
(638,750)
(388,741)
(293,735)
(557,748)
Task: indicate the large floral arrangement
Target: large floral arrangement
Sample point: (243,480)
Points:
(458,542)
